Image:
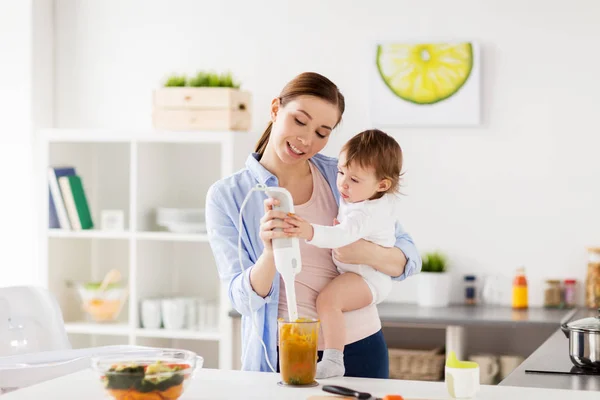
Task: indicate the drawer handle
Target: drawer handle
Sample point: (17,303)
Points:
(187,98)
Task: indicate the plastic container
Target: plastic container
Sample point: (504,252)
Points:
(470,290)
(520,296)
(552,294)
(298,344)
(145,376)
(570,293)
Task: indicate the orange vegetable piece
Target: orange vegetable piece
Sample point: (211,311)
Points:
(172,393)
(393,397)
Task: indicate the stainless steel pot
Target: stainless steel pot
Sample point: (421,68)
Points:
(584,341)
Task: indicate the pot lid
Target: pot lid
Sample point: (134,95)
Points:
(590,324)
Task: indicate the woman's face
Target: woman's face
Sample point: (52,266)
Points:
(301,128)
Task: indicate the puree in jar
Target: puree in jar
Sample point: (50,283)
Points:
(298,343)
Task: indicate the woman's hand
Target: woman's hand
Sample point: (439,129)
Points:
(270,221)
(302,228)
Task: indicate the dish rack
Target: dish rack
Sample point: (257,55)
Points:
(417,365)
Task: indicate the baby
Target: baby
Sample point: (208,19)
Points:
(369,169)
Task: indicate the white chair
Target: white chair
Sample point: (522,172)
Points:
(34,345)
(30,321)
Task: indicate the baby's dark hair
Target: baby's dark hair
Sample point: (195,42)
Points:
(377,149)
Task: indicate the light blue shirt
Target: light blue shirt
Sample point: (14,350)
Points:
(223,203)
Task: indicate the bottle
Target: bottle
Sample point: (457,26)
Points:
(470,295)
(520,298)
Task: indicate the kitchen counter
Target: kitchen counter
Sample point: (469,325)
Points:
(553,351)
(222,384)
(458,314)
(456,317)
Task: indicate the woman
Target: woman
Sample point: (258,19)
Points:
(287,155)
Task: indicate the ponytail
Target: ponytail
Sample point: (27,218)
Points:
(261,145)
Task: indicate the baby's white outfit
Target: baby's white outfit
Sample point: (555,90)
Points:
(372,220)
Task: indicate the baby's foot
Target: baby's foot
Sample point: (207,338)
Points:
(331,365)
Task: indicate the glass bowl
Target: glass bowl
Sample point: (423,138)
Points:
(102,306)
(153,374)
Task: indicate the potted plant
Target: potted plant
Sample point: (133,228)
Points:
(434,281)
(205,101)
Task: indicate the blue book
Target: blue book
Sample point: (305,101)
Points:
(56,201)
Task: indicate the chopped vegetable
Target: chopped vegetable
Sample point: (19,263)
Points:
(157,381)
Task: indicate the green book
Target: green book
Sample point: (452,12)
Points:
(76,201)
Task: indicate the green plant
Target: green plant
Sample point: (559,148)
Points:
(434,262)
(211,79)
(176,81)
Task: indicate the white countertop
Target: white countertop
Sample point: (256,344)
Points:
(220,384)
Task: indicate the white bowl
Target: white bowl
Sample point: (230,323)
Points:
(166,217)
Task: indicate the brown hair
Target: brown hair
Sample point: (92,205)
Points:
(377,149)
(305,84)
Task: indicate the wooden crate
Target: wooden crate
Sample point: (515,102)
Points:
(183,120)
(201,109)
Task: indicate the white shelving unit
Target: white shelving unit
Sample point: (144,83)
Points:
(137,172)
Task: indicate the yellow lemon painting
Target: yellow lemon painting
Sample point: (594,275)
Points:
(426,83)
(425,73)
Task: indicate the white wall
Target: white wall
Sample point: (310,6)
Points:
(521,189)
(25,104)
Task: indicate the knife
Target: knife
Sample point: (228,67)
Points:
(343,391)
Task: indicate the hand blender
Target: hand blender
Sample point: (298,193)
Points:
(286,251)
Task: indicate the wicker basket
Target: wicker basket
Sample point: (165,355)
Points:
(417,365)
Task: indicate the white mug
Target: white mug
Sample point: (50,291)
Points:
(173,313)
(151,317)
(488,367)
(462,383)
(508,364)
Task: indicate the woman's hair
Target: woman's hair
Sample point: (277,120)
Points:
(305,84)
(376,149)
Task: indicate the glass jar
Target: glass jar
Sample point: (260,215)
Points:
(592,281)
(470,290)
(552,294)
(570,293)
(298,344)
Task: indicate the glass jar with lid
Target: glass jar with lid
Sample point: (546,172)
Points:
(552,294)
(592,281)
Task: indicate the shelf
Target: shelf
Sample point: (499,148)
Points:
(173,237)
(112,329)
(177,334)
(98,234)
(125,136)
(89,233)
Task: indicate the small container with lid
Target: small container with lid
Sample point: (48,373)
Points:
(570,293)
(552,294)
(470,289)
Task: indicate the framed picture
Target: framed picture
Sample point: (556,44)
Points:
(429,84)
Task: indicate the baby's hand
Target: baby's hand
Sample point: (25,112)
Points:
(302,228)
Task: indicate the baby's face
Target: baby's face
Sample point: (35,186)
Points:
(355,183)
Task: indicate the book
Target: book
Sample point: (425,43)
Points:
(76,202)
(58,217)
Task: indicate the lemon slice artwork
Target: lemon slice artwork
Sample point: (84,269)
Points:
(425,73)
